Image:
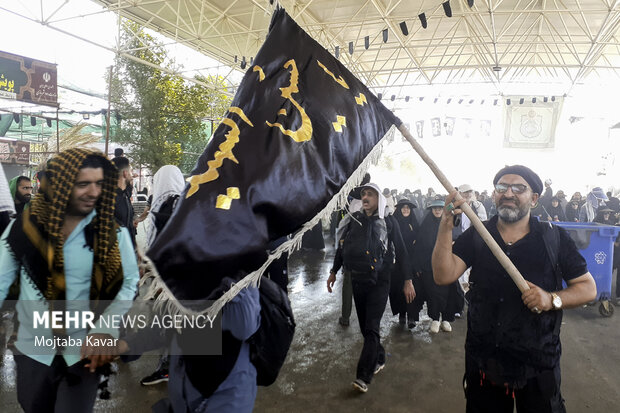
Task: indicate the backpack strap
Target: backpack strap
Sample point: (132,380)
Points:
(551,238)
(345,226)
(389,227)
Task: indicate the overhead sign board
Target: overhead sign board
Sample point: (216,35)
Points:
(17,152)
(28,80)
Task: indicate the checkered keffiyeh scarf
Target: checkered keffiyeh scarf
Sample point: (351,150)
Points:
(42,226)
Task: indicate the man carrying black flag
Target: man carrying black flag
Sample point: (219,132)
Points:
(301,126)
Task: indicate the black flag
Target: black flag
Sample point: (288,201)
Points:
(298,128)
(422,17)
(403,28)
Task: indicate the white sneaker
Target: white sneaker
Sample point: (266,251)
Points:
(360,385)
(435,327)
(445,326)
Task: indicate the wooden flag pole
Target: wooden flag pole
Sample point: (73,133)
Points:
(475,221)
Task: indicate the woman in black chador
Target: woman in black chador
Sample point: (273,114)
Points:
(436,296)
(556,213)
(572,211)
(408,228)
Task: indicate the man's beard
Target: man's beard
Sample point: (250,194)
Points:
(512,214)
(24,199)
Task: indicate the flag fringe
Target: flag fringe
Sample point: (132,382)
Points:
(166,302)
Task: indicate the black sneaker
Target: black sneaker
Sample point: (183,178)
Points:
(411,325)
(159,376)
(343,321)
(379,367)
(402,320)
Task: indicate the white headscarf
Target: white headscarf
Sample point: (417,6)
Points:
(167,182)
(6,200)
(382,205)
(382,211)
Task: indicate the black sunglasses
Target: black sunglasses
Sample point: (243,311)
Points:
(515,188)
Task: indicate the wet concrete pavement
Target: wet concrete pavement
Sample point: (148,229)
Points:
(423,371)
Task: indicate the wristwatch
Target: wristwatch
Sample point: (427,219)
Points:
(556,301)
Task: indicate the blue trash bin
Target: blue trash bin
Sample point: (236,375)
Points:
(596,243)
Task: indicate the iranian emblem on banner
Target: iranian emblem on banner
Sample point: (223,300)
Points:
(531,124)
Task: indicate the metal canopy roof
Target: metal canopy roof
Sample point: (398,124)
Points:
(494,47)
(550,42)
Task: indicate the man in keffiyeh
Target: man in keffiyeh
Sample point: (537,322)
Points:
(67,248)
(595,199)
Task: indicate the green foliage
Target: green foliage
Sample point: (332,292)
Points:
(163,116)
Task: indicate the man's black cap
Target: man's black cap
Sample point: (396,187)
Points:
(524,172)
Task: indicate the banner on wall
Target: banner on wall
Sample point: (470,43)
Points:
(485,128)
(468,128)
(419,127)
(15,152)
(531,124)
(450,126)
(436,127)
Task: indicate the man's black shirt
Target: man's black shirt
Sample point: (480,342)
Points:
(123,213)
(504,338)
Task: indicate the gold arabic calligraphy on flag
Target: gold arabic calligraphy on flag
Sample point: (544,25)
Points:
(301,134)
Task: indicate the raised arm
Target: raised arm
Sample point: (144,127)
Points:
(447,267)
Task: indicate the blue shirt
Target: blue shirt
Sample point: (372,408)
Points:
(78,273)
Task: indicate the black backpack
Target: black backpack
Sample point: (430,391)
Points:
(362,250)
(270,343)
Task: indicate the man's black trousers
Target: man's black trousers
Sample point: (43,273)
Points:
(370,301)
(541,394)
(56,388)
